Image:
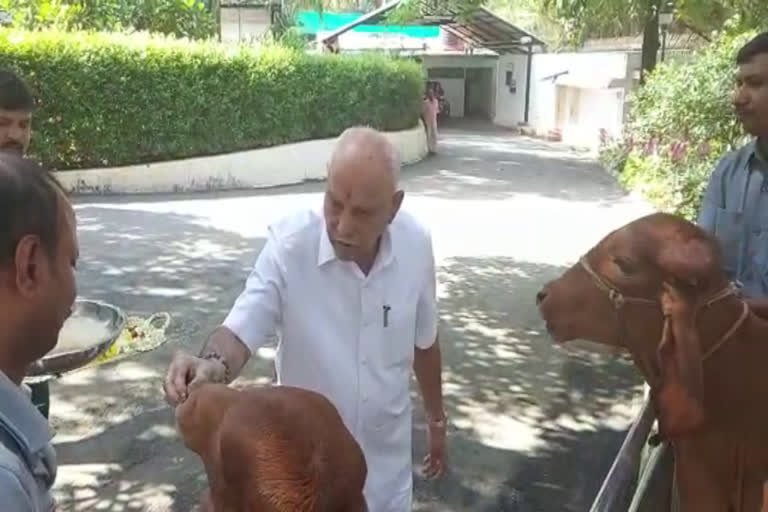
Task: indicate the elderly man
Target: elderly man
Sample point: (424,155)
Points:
(16,106)
(38,250)
(351,295)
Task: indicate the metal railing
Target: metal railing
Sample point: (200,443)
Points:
(614,494)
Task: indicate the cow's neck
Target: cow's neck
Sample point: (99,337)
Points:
(735,380)
(715,323)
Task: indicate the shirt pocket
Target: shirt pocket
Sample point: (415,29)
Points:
(729,230)
(758,252)
(399,334)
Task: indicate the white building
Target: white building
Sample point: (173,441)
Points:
(491,69)
(465,60)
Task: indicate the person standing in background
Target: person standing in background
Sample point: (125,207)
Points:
(16,106)
(429,110)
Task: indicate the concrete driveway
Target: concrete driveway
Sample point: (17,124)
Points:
(534,427)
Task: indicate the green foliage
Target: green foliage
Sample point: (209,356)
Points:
(709,15)
(109,99)
(293,38)
(181,18)
(584,19)
(531,15)
(410,10)
(680,125)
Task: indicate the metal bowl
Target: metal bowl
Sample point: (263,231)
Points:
(58,362)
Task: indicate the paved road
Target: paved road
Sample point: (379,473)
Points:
(534,426)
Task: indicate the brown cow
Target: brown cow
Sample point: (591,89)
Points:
(656,287)
(273,449)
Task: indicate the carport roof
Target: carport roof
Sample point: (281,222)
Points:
(481,28)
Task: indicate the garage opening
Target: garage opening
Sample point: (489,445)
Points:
(467,92)
(478,93)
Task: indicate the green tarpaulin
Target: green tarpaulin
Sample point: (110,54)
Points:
(310,23)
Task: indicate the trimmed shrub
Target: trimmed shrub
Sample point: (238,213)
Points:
(108,99)
(680,125)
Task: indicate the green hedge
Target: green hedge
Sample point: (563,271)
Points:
(109,99)
(680,125)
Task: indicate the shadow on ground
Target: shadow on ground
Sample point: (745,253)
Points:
(532,425)
(498,164)
(144,261)
(535,427)
(111,420)
(475,160)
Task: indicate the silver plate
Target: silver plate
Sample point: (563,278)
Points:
(58,362)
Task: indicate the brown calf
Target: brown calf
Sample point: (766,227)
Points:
(656,288)
(274,449)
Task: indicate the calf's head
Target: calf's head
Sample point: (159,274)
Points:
(614,296)
(199,417)
(273,449)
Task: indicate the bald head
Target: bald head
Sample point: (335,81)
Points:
(361,196)
(367,153)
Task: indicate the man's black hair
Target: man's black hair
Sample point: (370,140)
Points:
(14,93)
(29,205)
(757,46)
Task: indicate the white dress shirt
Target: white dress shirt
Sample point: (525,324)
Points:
(346,335)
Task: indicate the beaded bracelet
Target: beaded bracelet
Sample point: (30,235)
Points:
(216,356)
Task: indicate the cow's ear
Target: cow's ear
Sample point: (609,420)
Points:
(679,395)
(687,264)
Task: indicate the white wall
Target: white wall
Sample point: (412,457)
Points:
(543,89)
(583,113)
(510,107)
(454,92)
(459,61)
(597,108)
(243,24)
(268,167)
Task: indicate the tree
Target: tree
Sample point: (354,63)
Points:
(609,18)
(411,10)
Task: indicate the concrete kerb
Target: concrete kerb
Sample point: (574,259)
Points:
(260,168)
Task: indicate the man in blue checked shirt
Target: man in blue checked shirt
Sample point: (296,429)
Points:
(735,210)
(735,205)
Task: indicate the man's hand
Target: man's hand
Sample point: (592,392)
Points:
(187,372)
(435,462)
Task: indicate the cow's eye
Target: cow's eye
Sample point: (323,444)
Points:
(625,266)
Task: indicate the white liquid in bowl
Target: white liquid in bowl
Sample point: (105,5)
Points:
(80,332)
